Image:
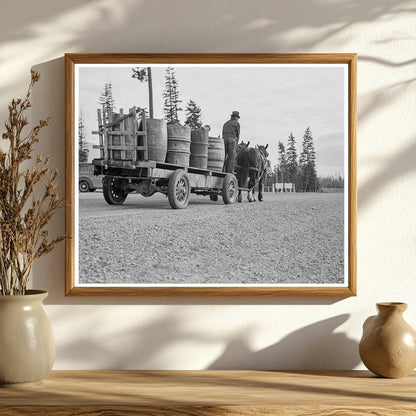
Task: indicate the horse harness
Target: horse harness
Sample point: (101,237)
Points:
(264,159)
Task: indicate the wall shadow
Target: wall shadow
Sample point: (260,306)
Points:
(381,61)
(313,347)
(153,20)
(397,166)
(382,98)
(138,347)
(215,26)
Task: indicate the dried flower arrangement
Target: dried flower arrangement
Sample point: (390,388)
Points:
(28,199)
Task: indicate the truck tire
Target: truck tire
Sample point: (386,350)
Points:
(179,189)
(83,186)
(229,189)
(112,194)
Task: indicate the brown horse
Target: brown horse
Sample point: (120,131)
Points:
(251,166)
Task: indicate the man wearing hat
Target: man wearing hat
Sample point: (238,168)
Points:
(231,135)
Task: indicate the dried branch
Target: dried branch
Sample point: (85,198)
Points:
(24,217)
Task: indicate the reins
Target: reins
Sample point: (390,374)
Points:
(258,180)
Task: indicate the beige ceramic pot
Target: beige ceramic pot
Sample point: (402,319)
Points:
(388,344)
(27,347)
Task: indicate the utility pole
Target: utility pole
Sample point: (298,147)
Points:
(150,85)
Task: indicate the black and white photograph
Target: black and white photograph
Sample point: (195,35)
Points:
(212,175)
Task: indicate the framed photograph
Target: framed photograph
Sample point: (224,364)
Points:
(211,174)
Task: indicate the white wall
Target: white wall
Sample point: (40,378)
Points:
(199,333)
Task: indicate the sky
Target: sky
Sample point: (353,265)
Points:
(273,101)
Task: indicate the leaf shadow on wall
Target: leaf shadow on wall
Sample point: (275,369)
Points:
(199,26)
(397,166)
(153,20)
(138,346)
(151,345)
(316,346)
(384,96)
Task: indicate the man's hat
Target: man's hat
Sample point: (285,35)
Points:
(235,114)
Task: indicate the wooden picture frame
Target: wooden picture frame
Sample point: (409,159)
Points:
(76,85)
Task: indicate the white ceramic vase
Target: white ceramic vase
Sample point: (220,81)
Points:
(27,347)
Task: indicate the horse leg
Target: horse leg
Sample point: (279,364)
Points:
(260,196)
(240,183)
(250,194)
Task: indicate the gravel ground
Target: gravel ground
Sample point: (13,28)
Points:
(287,238)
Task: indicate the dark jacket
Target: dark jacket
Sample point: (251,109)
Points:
(231,129)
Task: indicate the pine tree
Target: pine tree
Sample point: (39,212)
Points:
(107,101)
(291,160)
(283,162)
(145,75)
(171,96)
(193,115)
(83,150)
(299,179)
(307,163)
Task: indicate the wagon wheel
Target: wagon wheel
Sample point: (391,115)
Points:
(179,189)
(229,189)
(112,194)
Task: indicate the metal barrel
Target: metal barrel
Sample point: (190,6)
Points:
(216,153)
(199,149)
(179,143)
(157,139)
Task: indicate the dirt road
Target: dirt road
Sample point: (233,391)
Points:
(288,238)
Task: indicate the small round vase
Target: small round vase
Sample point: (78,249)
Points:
(27,347)
(388,345)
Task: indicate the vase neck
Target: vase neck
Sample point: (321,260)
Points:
(390,308)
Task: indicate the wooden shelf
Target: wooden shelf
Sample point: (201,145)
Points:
(204,393)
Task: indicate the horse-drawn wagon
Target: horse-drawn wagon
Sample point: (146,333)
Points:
(127,161)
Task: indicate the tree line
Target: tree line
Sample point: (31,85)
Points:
(301,171)
(298,171)
(171,107)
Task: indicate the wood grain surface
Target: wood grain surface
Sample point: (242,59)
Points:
(202,393)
